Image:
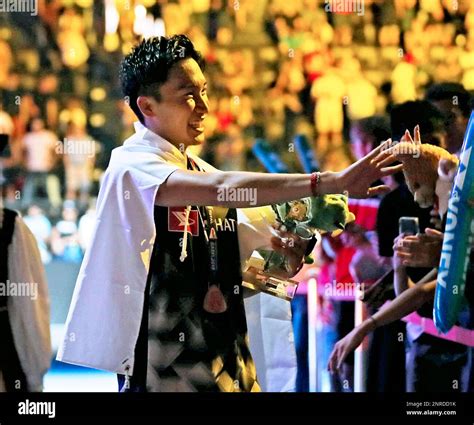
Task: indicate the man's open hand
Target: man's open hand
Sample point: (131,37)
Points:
(358,178)
(292,247)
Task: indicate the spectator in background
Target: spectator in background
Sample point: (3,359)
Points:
(6,128)
(65,237)
(343,307)
(10,159)
(25,354)
(41,228)
(404,80)
(361,95)
(74,111)
(328,92)
(39,146)
(454,102)
(423,349)
(325,256)
(79,160)
(355,251)
(400,201)
(365,134)
(385,355)
(24,320)
(366,266)
(290,83)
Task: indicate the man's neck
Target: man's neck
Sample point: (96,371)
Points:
(177,145)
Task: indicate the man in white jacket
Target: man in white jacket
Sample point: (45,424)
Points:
(24,308)
(159,298)
(25,353)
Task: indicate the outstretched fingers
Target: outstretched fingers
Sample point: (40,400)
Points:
(434,233)
(378,150)
(386,151)
(378,190)
(333,360)
(388,171)
(384,160)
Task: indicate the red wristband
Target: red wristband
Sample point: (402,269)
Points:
(315,179)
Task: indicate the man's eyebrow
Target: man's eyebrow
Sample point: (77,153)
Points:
(188,85)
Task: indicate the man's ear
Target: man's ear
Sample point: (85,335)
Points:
(145,105)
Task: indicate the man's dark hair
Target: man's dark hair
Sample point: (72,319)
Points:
(146,67)
(451,91)
(405,116)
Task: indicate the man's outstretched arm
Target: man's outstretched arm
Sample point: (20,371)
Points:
(194,188)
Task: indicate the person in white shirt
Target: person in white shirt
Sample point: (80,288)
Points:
(39,146)
(79,160)
(41,227)
(159,298)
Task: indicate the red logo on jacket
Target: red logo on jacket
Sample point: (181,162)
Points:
(177,220)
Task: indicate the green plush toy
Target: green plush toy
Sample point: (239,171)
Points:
(327,213)
(306,217)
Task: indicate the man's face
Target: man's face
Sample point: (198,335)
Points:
(360,143)
(455,123)
(178,116)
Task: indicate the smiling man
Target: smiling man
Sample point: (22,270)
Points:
(159,295)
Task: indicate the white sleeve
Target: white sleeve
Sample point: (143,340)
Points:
(254,229)
(150,170)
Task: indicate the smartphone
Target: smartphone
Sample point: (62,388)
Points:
(409,225)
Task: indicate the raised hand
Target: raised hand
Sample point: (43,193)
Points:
(358,178)
(421,250)
(344,347)
(292,247)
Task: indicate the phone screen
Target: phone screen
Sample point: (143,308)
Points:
(409,225)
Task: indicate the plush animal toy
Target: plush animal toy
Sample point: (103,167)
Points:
(328,213)
(305,217)
(308,216)
(420,166)
(447,168)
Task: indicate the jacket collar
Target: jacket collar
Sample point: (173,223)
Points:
(145,136)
